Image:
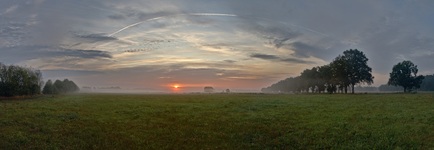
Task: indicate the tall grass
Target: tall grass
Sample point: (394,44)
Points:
(220,121)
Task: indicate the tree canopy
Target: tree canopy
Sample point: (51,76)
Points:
(357,69)
(405,74)
(19,81)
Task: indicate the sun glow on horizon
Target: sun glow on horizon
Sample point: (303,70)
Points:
(175,87)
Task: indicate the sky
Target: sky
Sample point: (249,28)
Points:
(242,45)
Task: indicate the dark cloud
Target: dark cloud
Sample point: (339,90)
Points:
(277,58)
(230,61)
(264,56)
(92,38)
(294,60)
(83,53)
(21,53)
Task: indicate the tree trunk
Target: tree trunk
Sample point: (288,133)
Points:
(346,89)
(405,89)
(352,88)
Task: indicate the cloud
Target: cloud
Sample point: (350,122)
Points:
(279,59)
(230,61)
(13,34)
(10,9)
(96,37)
(21,53)
(305,50)
(139,15)
(83,53)
(276,34)
(294,60)
(265,56)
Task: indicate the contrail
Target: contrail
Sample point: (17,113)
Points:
(134,24)
(156,18)
(209,14)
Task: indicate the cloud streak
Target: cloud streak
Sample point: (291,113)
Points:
(279,59)
(156,18)
(38,52)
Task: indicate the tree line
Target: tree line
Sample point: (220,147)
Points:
(23,81)
(60,87)
(339,76)
(346,71)
(19,81)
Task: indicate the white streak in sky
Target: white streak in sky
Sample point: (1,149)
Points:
(132,25)
(207,14)
(190,14)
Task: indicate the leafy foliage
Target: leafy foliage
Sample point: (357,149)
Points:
(405,74)
(357,69)
(19,81)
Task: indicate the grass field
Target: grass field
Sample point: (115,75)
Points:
(219,121)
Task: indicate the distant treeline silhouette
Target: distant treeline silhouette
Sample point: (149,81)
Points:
(60,87)
(19,81)
(348,70)
(344,72)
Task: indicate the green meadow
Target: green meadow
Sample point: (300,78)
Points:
(219,121)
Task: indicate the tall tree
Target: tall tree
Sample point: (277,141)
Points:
(340,72)
(309,77)
(357,68)
(405,74)
(325,75)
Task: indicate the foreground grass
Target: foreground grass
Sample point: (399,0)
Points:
(232,121)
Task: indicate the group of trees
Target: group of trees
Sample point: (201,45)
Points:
(60,87)
(19,81)
(350,69)
(344,72)
(208,89)
(22,81)
(427,83)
